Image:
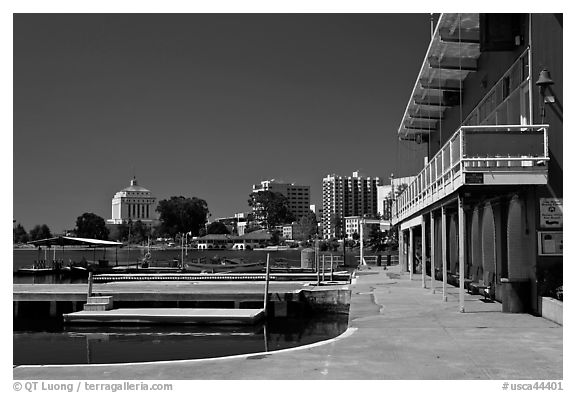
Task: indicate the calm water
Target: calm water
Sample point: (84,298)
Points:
(47,342)
(121,257)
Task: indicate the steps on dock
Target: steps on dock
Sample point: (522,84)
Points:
(99,303)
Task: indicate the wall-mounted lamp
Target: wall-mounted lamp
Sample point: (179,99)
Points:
(544,82)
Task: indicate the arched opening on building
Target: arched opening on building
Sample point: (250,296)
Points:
(476,245)
(488,245)
(517,239)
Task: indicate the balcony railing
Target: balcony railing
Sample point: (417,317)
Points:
(478,155)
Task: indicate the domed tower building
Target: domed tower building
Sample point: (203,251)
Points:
(133,203)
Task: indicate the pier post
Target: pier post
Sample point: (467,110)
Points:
(318,270)
(266,284)
(331,267)
(53,308)
(90,284)
(323,267)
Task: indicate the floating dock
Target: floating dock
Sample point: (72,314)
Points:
(167,316)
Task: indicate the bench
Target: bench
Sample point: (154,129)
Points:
(484,287)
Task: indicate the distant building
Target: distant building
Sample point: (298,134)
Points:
(247,241)
(133,203)
(347,196)
(298,196)
(384,194)
(353,225)
(292,231)
(241,227)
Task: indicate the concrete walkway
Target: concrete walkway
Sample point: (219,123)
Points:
(398,330)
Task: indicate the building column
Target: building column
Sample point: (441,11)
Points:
(444,256)
(401,259)
(432,254)
(423,252)
(461,248)
(411,252)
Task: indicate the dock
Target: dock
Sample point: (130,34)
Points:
(285,297)
(167,316)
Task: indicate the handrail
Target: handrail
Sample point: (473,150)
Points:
(447,166)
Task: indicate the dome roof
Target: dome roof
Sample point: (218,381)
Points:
(135,187)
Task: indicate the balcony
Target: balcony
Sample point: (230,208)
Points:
(482,156)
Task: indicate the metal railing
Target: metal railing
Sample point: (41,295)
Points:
(503,149)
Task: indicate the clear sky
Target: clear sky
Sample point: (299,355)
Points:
(205,105)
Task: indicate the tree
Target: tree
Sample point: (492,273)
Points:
(252,228)
(139,232)
(309,225)
(182,215)
(20,234)
(92,226)
(275,239)
(400,189)
(40,232)
(123,230)
(270,208)
(217,228)
(336,223)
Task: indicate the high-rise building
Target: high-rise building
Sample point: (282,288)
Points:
(354,195)
(133,203)
(298,196)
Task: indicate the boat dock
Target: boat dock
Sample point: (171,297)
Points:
(166,316)
(284,297)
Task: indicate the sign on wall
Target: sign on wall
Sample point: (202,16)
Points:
(551,212)
(550,243)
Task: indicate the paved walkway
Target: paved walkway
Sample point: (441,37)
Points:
(398,330)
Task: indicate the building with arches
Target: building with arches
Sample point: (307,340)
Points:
(485,212)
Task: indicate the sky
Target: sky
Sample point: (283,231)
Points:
(205,105)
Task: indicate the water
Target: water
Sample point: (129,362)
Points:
(24,257)
(48,342)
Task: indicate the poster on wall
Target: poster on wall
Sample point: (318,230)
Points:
(550,243)
(551,212)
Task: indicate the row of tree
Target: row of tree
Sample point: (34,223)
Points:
(180,215)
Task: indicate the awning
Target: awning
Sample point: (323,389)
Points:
(451,56)
(74,241)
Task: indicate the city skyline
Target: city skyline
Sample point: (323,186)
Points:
(204,105)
